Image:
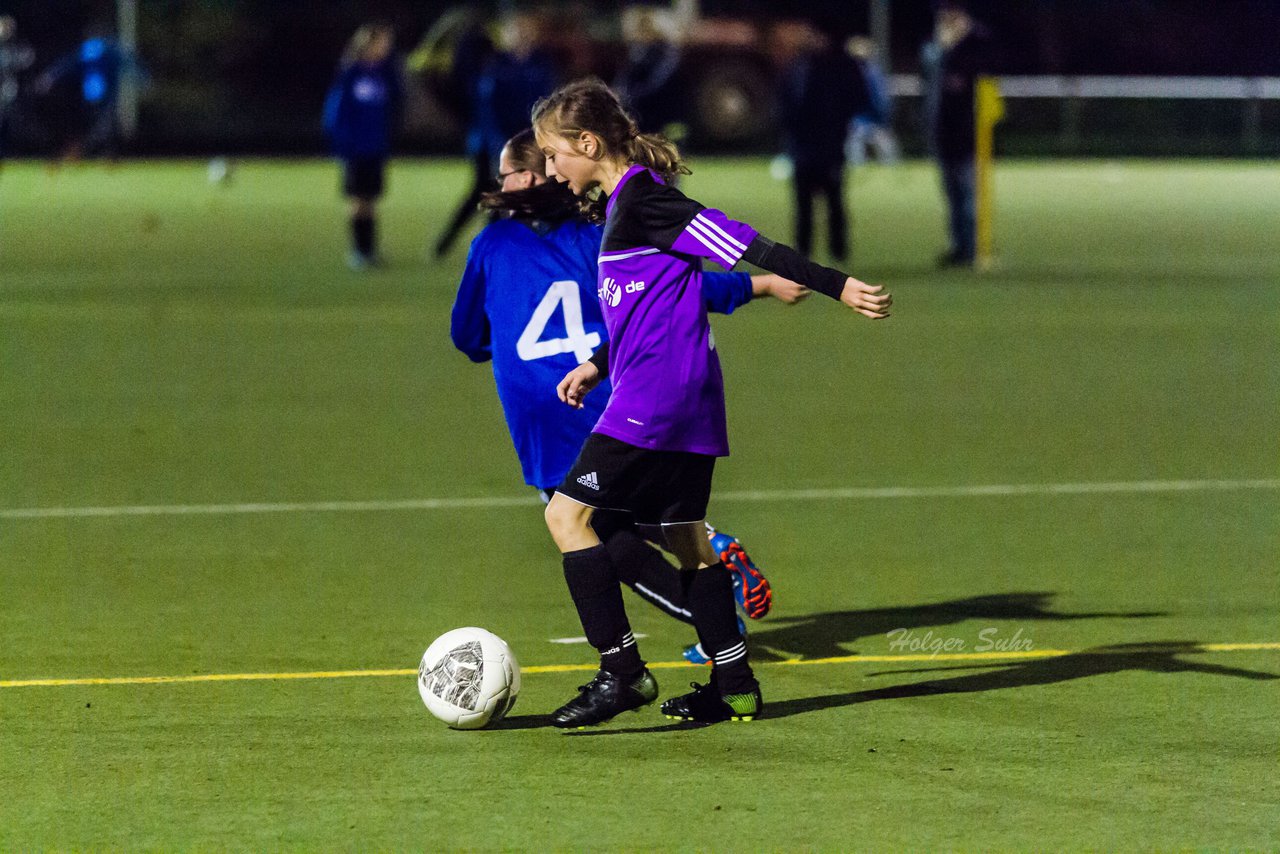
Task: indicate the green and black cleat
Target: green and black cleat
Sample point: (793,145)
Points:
(705,705)
(604,697)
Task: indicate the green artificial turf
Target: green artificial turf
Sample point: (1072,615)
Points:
(165,341)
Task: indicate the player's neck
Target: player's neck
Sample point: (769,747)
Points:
(611,174)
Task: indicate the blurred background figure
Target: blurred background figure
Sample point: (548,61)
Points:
(646,81)
(447,60)
(361,117)
(95,70)
(502,86)
(822,89)
(871,131)
(15,58)
(451,58)
(959,52)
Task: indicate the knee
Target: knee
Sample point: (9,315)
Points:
(689,543)
(569,523)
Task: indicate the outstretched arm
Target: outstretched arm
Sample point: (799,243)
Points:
(670,220)
(724,293)
(868,300)
(783,290)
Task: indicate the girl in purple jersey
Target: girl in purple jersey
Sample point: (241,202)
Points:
(541,237)
(653,450)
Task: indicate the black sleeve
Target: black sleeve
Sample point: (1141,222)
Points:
(600,358)
(790,264)
(663,215)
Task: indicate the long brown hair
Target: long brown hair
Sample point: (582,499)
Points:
(549,201)
(589,105)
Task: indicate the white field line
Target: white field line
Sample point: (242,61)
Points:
(832,494)
(581,639)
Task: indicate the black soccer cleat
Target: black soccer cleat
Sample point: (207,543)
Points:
(706,705)
(603,697)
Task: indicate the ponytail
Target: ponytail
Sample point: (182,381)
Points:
(654,151)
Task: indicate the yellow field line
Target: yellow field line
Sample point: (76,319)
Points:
(570,668)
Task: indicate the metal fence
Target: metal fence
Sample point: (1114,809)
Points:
(1053,115)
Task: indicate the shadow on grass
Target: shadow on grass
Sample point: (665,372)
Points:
(640,730)
(522,722)
(820,635)
(544,721)
(1155,657)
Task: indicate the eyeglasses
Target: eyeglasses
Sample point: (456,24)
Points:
(502,176)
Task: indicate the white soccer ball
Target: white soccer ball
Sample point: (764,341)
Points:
(220,170)
(469,678)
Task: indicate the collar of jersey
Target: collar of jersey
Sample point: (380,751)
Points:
(635,169)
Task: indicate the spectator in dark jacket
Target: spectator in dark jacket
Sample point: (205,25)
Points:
(502,92)
(959,53)
(646,81)
(361,115)
(822,90)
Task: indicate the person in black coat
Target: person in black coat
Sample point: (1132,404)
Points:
(647,81)
(822,90)
(501,83)
(959,53)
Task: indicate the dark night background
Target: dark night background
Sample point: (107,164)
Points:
(251,74)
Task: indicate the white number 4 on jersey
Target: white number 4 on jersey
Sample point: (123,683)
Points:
(578,341)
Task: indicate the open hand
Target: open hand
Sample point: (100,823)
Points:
(869,300)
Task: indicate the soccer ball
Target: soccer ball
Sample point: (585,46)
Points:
(469,678)
(220,170)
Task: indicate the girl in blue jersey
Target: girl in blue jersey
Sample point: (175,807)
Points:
(527,302)
(653,450)
(361,113)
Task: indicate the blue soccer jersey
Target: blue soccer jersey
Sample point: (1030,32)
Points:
(528,301)
(362,109)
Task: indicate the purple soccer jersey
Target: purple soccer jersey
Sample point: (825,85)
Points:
(668,391)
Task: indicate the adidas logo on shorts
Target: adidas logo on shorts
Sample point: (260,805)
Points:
(589,480)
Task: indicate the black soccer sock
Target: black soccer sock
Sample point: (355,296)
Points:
(362,234)
(643,568)
(593,584)
(709,593)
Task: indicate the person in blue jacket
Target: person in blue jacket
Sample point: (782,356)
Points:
(527,302)
(871,131)
(95,68)
(361,114)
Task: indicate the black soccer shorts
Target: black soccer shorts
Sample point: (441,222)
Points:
(656,487)
(364,177)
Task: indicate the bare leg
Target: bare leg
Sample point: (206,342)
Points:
(570,524)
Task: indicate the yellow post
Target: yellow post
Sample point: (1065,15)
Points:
(988,110)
